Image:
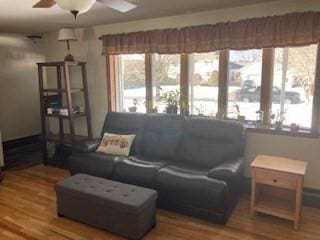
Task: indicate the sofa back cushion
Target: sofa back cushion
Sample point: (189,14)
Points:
(162,135)
(208,142)
(126,124)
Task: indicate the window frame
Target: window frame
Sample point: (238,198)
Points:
(119,83)
(185,80)
(190,83)
(227,90)
(314,129)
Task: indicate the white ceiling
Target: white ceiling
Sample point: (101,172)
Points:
(19,16)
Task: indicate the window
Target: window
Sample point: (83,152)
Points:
(204,83)
(285,91)
(245,70)
(166,78)
(293,85)
(132,86)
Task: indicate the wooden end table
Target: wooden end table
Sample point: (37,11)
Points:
(277,185)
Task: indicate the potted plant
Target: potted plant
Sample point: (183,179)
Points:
(295,127)
(134,107)
(240,117)
(184,106)
(171,98)
(279,120)
(259,120)
(199,110)
(154,110)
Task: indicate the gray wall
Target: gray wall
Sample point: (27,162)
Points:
(19,94)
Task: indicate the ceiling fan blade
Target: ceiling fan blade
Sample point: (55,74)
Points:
(44,4)
(119,5)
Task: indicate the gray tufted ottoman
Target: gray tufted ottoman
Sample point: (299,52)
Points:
(120,208)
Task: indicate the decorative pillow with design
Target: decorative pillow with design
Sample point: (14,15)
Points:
(116,144)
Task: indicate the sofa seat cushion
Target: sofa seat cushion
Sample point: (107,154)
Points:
(190,186)
(95,164)
(188,169)
(139,170)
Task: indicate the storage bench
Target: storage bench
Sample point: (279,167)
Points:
(120,208)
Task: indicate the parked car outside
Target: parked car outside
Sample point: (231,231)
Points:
(252,94)
(249,84)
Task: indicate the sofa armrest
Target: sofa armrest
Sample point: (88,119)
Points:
(227,170)
(87,146)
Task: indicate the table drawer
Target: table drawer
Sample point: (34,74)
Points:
(277,179)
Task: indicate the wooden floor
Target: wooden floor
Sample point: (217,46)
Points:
(28,211)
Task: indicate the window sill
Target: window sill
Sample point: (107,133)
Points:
(286,131)
(304,133)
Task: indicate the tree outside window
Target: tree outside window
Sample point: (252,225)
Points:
(166,78)
(293,81)
(132,88)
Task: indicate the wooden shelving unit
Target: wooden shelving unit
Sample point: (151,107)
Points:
(64,93)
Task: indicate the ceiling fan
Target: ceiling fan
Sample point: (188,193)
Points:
(81,6)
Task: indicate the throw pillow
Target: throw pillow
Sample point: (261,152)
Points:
(116,144)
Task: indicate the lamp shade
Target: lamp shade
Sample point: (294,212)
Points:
(67,34)
(80,6)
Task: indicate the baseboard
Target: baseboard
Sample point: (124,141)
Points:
(311,197)
(21,142)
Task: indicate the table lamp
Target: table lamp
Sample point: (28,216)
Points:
(67,35)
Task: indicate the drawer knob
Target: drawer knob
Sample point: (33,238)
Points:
(275,180)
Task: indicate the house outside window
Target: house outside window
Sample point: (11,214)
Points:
(204,81)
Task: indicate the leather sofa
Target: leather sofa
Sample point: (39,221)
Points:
(195,164)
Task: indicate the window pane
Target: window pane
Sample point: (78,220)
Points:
(166,78)
(294,74)
(204,84)
(132,89)
(245,70)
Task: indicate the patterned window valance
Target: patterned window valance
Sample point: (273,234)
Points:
(294,29)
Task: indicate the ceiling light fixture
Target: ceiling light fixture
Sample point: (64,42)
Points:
(75,6)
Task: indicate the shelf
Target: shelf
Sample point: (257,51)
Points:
(275,206)
(58,95)
(63,63)
(66,138)
(55,90)
(75,115)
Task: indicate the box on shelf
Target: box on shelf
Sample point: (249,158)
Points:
(62,111)
(65,111)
